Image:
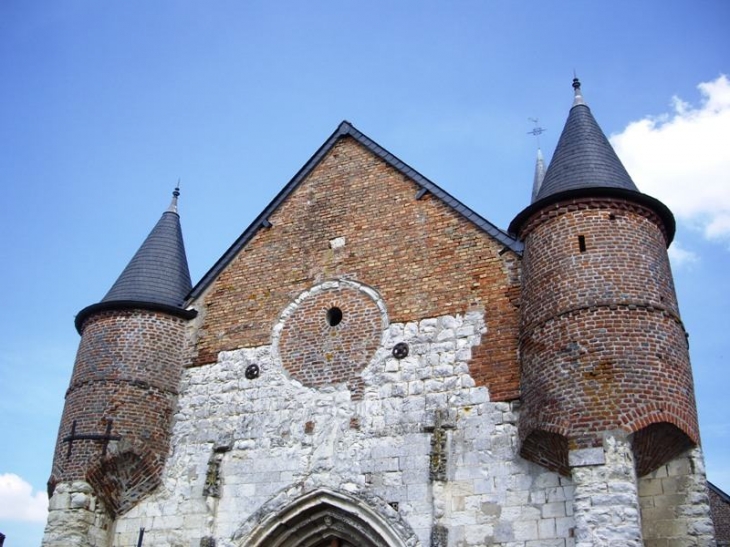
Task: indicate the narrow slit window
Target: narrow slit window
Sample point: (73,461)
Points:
(582,243)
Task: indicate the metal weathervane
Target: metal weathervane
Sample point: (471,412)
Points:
(537,130)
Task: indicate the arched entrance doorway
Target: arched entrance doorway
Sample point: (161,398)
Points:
(325,519)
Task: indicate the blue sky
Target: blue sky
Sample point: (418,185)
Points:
(104,105)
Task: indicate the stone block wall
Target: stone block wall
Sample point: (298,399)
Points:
(76,518)
(606,502)
(425,453)
(675,505)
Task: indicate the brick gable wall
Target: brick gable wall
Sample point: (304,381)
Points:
(422,257)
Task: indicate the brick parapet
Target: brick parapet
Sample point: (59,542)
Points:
(130,345)
(626,306)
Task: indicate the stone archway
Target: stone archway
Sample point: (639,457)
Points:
(325,519)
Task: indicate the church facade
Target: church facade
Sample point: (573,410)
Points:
(372,363)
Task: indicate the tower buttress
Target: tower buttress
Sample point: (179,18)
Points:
(114,431)
(606,376)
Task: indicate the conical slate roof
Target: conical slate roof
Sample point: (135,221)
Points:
(157,277)
(583,158)
(158,273)
(585,164)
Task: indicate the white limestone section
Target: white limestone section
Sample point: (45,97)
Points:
(606,504)
(337,243)
(491,495)
(675,505)
(75,518)
(276,440)
(586,456)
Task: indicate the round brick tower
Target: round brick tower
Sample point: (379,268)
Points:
(114,432)
(603,349)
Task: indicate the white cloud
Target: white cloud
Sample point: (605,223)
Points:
(18,502)
(680,256)
(682,158)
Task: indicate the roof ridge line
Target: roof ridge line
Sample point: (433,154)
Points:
(439,192)
(345,128)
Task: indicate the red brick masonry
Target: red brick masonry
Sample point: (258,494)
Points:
(127,370)
(602,344)
(424,258)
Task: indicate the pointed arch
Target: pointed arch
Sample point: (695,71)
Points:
(319,518)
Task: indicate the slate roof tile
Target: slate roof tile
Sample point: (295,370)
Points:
(585,163)
(583,158)
(158,272)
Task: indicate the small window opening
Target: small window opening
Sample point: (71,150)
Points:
(334,316)
(582,243)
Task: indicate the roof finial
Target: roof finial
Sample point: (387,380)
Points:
(578,94)
(175,194)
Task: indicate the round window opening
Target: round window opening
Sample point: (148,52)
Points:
(334,316)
